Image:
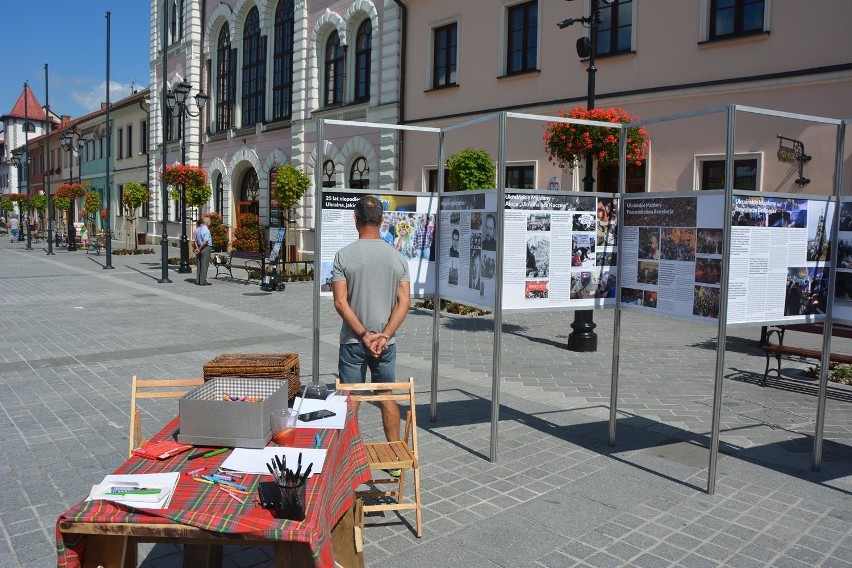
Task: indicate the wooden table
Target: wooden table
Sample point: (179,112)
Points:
(202,518)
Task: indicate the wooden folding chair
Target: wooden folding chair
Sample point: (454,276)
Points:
(402,455)
(153,388)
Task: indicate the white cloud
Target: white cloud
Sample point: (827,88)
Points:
(91,99)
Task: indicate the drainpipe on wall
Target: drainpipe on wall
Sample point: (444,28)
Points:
(402,53)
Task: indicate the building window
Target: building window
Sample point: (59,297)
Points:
(254,70)
(608,178)
(173,27)
(180,20)
(225,80)
(120,153)
(432,180)
(328,174)
(129,140)
(616,28)
(333,70)
(170,125)
(282,73)
(444,56)
(143,136)
(731,18)
(522,41)
(520,177)
(359,174)
(146,205)
(745,174)
(219,198)
(363,43)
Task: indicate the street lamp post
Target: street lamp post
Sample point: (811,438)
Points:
(583,337)
(176,101)
(22,161)
(73,148)
(28,127)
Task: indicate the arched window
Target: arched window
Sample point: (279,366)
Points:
(359,174)
(225,80)
(249,192)
(334,70)
(219,197)
(328,174)
(254,69)
(282,75)
(362,61)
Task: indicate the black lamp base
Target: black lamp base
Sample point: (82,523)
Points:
(583,338)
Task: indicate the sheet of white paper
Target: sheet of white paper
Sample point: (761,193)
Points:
(166,480)
(335,403)
(245,460)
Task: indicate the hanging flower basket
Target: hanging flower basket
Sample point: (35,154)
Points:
(187,176)
(70,190)
(567,144)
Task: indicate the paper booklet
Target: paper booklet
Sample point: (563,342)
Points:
(244,460)
(140,490)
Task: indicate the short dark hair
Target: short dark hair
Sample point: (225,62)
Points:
(455,232)
(369,211)
(492,217)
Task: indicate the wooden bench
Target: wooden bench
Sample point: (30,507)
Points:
(778,348)
(248,261)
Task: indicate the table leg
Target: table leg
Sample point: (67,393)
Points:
(346,538)
(202,555)
(108,551)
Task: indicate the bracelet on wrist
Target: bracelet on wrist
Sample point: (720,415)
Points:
(362,334)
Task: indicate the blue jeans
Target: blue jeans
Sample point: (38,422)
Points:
(14,234)
(354,359)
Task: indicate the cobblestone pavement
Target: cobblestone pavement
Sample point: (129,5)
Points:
(558,493)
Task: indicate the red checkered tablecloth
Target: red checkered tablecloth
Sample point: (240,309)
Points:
(329,495)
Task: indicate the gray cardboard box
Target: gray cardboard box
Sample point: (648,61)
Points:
(207,418)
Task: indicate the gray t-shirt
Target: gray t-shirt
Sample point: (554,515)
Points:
(372,270)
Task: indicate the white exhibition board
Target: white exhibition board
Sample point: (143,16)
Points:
(559,250)
(842,310)
(404,214)
(468,247)
(671,254)
(779,251)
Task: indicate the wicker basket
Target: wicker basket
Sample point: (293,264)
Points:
(260,365)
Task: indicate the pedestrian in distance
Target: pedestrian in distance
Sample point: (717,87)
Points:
(372,293)
(203,244)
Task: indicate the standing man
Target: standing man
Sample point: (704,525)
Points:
(203,242)
(372,294)
(14,225)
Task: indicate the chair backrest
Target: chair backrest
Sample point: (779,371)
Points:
(398,391)
(153,388)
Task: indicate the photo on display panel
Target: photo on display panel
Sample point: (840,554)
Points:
(649,299)
(489,264)
(807,291)
(582,249)
(489,233)
(536,289)
(538,256)
(708,270)
(705,301)
(606,259)
(844,254)
(475,221)
(584,222)
(846,216)
(843,289)
(649,243)
(474,280)
(677,244)
(584,285)
(819,245)
(607,221)
(647,272)
(632,296)
(453,276)
(709,241)
(538,222)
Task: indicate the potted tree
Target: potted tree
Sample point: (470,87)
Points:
(291,183)
(39,203)
(470,169)
(135,194)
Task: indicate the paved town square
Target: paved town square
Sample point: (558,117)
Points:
(558,493)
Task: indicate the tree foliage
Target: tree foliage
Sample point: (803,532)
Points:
(291,183)
(40,202)
(470,169)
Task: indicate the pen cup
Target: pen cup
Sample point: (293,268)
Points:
(283,425)
(291,504)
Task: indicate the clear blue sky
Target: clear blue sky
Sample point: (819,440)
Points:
(70,36)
